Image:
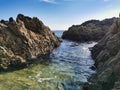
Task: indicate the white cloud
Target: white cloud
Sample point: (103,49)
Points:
(68,0)
(106,0)
(49,1)
(54,1)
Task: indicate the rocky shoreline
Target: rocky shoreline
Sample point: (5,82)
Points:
(107,59)
(27,40)
(24,41)
(106,53)
(92,30)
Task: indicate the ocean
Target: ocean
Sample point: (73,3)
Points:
(67,68)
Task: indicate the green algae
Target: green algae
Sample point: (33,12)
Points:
(37,77)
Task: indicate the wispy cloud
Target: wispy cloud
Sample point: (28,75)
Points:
(106,0)
(68,0)
(55,1)
(49,1)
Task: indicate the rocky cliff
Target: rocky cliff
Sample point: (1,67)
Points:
(23,41)
(107,59)
(92,30)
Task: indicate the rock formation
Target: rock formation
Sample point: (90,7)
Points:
(23,41)
(92,30)
(107,59)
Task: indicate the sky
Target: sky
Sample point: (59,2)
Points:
(60,14)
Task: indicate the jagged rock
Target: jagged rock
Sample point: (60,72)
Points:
(33,24)
(107,58)
(23,41)
(4,22)
(92,30)
(11,19)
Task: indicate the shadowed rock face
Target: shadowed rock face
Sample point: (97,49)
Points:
(107,59)
(92,30)
(23,41)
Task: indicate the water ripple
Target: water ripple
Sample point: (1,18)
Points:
(74,59)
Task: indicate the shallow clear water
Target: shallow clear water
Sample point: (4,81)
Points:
(68,67)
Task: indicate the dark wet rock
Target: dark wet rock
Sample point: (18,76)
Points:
(93,67)
(107,59)
(92,30)
(85,86)
(24,40)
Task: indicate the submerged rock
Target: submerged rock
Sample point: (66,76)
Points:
(92,30)
(23,41)
(107,59)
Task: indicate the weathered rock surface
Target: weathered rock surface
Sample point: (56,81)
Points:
(92,30)
(23,41)
(107,59)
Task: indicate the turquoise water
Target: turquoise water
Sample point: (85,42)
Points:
(74,59)
(67,69)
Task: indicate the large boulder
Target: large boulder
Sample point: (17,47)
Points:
(107,59)
(24,41)
(92,30)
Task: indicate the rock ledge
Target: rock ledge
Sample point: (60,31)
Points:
(92,30)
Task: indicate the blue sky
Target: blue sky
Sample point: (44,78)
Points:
(61,14)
